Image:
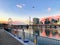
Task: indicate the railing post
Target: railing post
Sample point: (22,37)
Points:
(23,34)
(35,40)
(24,40)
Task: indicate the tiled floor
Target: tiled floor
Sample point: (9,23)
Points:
(6,39)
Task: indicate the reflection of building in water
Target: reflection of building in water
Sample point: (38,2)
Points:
(35,28)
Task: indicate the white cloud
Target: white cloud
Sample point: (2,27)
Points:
(23,4)
(49,9)
(20,5)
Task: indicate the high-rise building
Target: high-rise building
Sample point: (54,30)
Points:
(35,20)
(35,28)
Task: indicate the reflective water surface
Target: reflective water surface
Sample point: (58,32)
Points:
(49,36)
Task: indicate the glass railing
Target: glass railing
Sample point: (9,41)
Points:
(49,35)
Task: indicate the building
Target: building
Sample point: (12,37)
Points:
(35,28)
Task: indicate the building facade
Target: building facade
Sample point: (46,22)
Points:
(35,28)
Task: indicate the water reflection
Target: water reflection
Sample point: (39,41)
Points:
(50,33)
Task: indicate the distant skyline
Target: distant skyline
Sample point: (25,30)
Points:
(20,10)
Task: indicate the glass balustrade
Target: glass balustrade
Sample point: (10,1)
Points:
(48,35)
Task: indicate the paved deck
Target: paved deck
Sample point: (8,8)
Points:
(6,39)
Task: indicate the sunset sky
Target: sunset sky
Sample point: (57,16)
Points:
(20,10)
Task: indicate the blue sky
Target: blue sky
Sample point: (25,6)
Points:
(22,9)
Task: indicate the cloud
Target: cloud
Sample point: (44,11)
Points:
(49,9)
(20,5)
(23,4)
